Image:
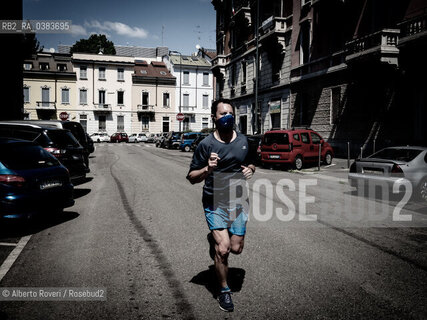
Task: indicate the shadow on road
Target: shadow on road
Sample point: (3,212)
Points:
(78,193)
(207,278)
(12,229)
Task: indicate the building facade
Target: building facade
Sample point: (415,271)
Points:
(194,91)
(153,97)
(350,70)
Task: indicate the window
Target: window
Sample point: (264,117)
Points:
(120,123)
(186,99)
(83,72)
(83,121)
(145,121)
(315,138)
(304,137)
(65,96)
(121,74)
(26,94)
(45,97)
(205,101)
(166,99)
(102,123)
(101,96)
(145,99)
(335,104)
(120,95)
(83,96)
(205,78)
(61,67)
(243,72)
(101,73)
(186,124)
(44,66)
(304,41)
(205,123)
(28,66)
(186,77)
(296,136)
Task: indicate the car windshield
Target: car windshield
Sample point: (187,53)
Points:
(21,157)
(63,138)
(279,138)
(396,154)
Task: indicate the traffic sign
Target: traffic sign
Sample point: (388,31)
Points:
(180,117)
(63,116)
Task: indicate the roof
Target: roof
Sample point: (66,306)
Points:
(151,70)
(189,61)
(128,51)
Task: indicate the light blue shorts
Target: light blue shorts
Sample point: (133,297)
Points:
(220,218)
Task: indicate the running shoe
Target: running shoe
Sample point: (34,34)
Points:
(225,302)
(212,243)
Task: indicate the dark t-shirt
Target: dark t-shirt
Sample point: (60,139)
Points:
(232,156)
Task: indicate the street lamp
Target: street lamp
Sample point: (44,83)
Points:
(180,81)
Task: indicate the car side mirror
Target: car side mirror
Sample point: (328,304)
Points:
(322,142)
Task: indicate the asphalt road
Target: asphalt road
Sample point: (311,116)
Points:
(138,230)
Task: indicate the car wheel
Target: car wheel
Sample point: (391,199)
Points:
(328,158)
(187,148)
(422,190)
(98,141)
(298,162)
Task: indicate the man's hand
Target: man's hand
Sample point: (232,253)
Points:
(247,172)
(213,161)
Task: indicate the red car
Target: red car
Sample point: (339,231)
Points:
(295,147)
(119,137)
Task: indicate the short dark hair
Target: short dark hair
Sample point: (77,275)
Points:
(215,104)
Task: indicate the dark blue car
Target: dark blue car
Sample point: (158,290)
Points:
(187,139)
(31,180)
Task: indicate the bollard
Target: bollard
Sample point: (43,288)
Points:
(320,157)
(361,152)
(374,145)
(348,155)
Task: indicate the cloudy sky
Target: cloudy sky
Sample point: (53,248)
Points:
(177,24)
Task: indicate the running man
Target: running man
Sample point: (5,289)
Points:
(219,160)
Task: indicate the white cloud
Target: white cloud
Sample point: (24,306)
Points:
(77,30)
(118,28)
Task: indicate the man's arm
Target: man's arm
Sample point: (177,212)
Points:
(198,175)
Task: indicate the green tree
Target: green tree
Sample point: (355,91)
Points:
(30,45)
(95,44)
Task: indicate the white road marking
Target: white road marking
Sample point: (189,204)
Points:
(7,264)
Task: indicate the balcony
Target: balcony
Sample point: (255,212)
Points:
(45,105)
(381,44)
(187,109)
(413,29)
(244,13)
(102,107)
(218,65)
(274,31)
(144,108)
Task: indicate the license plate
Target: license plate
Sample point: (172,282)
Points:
(274,156)
(373,172)
(50,185)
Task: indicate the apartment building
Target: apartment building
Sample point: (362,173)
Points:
(153,97)
(49,87)
(351,70)
(194,90)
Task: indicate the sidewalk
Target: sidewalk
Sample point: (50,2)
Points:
(338,170)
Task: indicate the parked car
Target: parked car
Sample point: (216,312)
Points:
(196,142)
(391,166)
(255,147)
(119,137)
(172,140)
(75,128)
(151,138)
(91,147)
(138,137)
(59,142)
(295,146)
(31,180)
(187,139)
(160,140)
(100,137)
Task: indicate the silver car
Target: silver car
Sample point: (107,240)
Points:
(393,166)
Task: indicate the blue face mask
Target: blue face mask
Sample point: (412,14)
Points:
(225,123)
